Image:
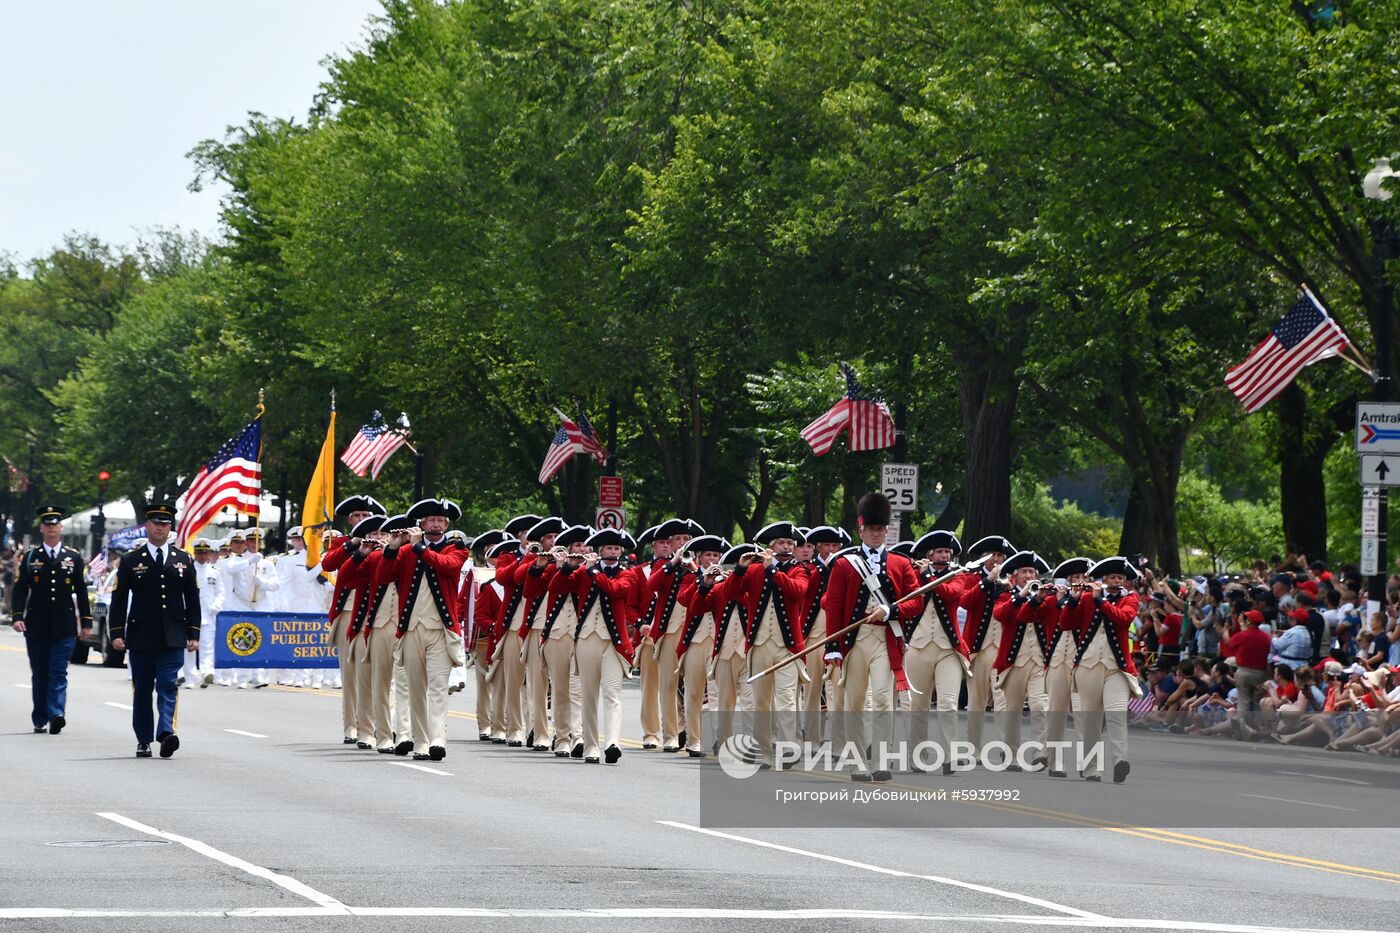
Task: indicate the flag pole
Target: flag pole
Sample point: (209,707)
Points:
(1354,357)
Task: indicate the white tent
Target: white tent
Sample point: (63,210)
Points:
(121,513)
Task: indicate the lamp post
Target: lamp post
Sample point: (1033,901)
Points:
(99,521)
(1383,249)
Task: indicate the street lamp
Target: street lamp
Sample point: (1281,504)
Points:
(1383,249)
(99,521)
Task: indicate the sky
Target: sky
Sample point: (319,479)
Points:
(100,101)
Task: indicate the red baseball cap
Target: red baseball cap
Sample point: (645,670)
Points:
(1255,616)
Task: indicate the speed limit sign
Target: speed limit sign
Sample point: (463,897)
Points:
(616,519)
(900,482)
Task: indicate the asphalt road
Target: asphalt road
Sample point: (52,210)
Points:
(264,821)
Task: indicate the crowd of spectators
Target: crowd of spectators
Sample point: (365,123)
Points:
(1286,652)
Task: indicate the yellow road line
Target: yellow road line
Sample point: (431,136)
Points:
(11,648)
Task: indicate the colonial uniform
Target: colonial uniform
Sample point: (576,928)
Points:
(1020,664)
(730,646)
(556,640)
(535,581)
(372,636)
(429,631)
(644,609)
(814,619)
(667,620)
(510,571)
(603,648)
(936,659)
(50,597)
(481,641)
(355,721)
(695,642)
(982,633)
(1104,669)
(1062,630)
(772,598)
(155,610)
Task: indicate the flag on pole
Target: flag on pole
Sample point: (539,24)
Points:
(1305,335)
(571,437)
(867,417)
(19,482)
(373,445)
(232,478)
(318,509)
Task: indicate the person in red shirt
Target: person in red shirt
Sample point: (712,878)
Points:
(1250,649)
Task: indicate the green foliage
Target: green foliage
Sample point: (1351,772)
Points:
(1058,531)
(1218,534)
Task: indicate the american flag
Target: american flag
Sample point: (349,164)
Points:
(18,481)
(1305,335)
(869,419)
(232,477)
(373,445)
(571,437)
(98,565)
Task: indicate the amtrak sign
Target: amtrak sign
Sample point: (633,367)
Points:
(1378,427)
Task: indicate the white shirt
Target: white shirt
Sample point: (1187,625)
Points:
(157,553)
(872,557)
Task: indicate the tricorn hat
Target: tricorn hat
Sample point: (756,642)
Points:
(396,523)
(545,526)
(359,504)
(737,551)
(427,508)
(1072,566)
(608,536)
(989,544)
(1113,565)
(489,539)
(647,536)
(366,525)
(936,539)
(873,509)
(521,523)
(903,548)
(1025,559)
(824,534)
(776,530)
(575,534)
(500,547)
(702,543)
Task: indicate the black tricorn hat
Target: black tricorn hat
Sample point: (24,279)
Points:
(521,523)
(1114,565)
(903,548)
(1025,559)
(365,526)
(938,538)
(873,509)
(359,504)
(545,526)
(396,523)
(989,544)
(647,536)
(824,534)
(577,534)
(736,552)
(776,530)
(501,547)
(606,536)
(1072,566)
(489,539)
(427,508)
(671,526)
(713,543)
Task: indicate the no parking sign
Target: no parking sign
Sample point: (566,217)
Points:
(614,518)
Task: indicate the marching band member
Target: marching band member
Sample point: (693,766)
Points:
(604,590)
(1104,673)
(557,642)
(509,567)
(872,656)
(466,603)
(483,612)
(772,595)
(354,510)
(373,627)
(190,673)
(982,633)
(1063,633)
(644,606)
(534,577)
(504,552)
(823,541)
(429,630)
(666,622)
(302,588)
(239,575)
(731,647)
(936,657)
(1020,662)
(696,643)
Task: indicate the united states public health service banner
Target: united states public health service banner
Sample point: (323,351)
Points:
(274,640)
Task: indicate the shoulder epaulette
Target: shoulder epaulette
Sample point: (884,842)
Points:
(138,548)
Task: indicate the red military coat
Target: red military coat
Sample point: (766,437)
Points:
(618,591)
(441,571)
(844,587)
(1119,615)
(752,585)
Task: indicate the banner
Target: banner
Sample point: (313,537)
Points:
(273,640)
(127,538)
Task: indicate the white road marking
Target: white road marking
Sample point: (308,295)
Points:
(282,881)
(119,705)
(251,735)
(668,913)
(23,686)
(1325,777)
(405,764)
(985,889)
(1305,803)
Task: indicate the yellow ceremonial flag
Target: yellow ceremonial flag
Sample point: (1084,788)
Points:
(319,509)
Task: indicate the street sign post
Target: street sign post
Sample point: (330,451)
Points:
(1378,427)
(1371,501)
(900,483)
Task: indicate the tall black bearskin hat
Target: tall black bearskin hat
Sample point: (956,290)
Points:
(873,509)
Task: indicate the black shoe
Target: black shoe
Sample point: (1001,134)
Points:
(437,753)
(143,750)
(680,740)
(387,750)
(1053,773)
(259,686)
(1092,777)
(1037,762)
(862,777)
(670,749)
(590,760)
(1015,767)
(515,744)
(695,752)
(169,745)
(649,746)
(948,768)
(539,748)
(498,741)
(40,730)
(403,748)
(418,756)
(348,740)
(484,737)
(1120,772)
(612,753)
(561,753)
(530,738)
(56,725)
(880,777)
(577,751)
(363,745)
